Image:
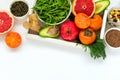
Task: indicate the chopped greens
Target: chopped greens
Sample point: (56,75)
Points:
(52,11)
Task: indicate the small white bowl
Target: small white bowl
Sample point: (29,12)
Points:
(112,47)
(20,17)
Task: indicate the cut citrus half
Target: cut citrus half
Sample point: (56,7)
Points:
(83,6)
(6,21)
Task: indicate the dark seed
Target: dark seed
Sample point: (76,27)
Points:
(19,8)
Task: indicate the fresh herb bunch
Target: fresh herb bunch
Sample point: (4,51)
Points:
(52,11)
(97,49)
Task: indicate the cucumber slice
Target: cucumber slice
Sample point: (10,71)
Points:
(101,6)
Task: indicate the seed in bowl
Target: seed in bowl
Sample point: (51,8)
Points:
(19,8)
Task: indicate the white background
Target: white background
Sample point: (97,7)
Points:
(35,60)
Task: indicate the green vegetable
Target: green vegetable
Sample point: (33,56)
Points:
(52,11)
(49,31)
(97,49)
(101,6)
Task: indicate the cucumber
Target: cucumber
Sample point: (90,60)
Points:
(101,5)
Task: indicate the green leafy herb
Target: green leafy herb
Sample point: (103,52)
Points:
(97,49)
(52,11)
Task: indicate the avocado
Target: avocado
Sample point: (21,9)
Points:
(50,31)
(101,6)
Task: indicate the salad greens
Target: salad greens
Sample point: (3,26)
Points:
(52,11)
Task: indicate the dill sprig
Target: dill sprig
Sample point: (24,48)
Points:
(97,49)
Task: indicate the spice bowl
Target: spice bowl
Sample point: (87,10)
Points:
(112,38)
(19,9)
(50,16)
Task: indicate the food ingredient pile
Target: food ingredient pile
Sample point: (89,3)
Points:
(82,27)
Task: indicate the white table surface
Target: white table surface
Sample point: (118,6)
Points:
(35,60)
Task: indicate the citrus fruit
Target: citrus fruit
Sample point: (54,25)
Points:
(13,39)
(96,22)
(83,6)
(6,21)
(82,21)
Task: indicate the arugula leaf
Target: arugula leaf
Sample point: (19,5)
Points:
(52,11)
